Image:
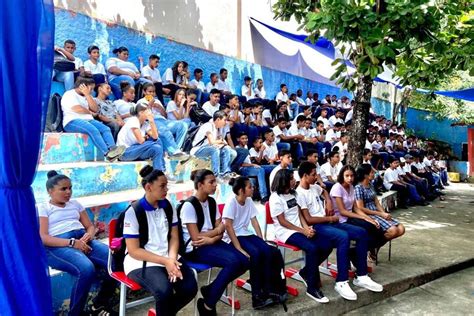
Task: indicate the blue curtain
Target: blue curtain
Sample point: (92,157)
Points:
(26,58)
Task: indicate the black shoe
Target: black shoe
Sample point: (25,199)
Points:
(203,311)
(317,295)
(423,203)
(205,291)
(259,302)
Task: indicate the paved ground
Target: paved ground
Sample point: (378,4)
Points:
(450,295)
(438,241)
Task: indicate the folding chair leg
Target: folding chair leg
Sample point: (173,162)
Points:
(123,299)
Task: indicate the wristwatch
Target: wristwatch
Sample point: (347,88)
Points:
(72,241)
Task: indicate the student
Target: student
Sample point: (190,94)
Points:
(140,137)
(212,106)
(79,109)
(330,169)
(173,78)
(247,168)
(93,67)
(68,236)
(152,73)
(198,84)
(332,234)
(285,163)
(247,91)
(107,112)
(270,152)
(333,135)
(259,90)
(342,145)
(309,98)
(239,212)
(125,103)
(167,277)
(367,202)
(179,108)
(323,118)
(312,157)
(120,69)
(291,228)
(67,77)
(282,96)
(338,117)
(204,244)
(286,141)
(209,143)
(214,78)
(222,84)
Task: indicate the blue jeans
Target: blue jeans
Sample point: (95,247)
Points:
(260,173)
(66,77)
(314,255)
(83,268)
(169,297)
(99,133)
(413,194)
(261,257)
(220,158)
(150,149)
(222,255)
(323,149)
(241,155)
(293,109)
(283,145)
(115,84)
(172,133)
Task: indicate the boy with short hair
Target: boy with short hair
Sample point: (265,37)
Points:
(67,77)
(285,163)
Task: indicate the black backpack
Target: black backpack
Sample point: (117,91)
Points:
(119,254)
(54,115)
(61,63)
(198,115)
(200,218)
(188,140)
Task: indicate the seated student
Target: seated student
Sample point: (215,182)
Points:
(179,108)
(93,67)
(306,113)
(338,117)
(420,169)
(323,118)
(68,236)
(286,141)
(209,143)
(312,156)
(342,145)
(332,234)
(223,85)
(441,177)
(212,84)
(203,240)
(212,106)
(298,129)
(247,90)
(247,168)
(140,137)
(299,99)
(171,132)
(198,84)
(108,113)
(422,184)
(156,266)
(377,182)
(330,170)
(323,147)
(239,212)
(68,76)
(291,228)
(309,98)
(406,192)
(282,97)
(173,78)
(285,163)
(367,202)
(79,109)
(404,172)
(270,153)
(125,103)
(152,73)
(120,69)
(333,135)
(259,90)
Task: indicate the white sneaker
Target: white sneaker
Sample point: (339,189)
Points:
(345,290)
(366,282)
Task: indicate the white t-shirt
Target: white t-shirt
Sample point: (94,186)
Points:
(368,145)
(168,77)
(278,131)
(123,107)
(376,145)
(126,137)
(284,204)
(123,65)
(61,219)
(333,120)
(70,99)
(310,199)
(78,62)
(199,84)
(389,176)
(294,130)
(240,214)
(94,68)
(154,73)
(154,110)
(266,114)
(210,109)
(328,170)
(273,173)
(270,151)
(260,93)
(389,145)
(201,134)
(223,85)
(332,136)
(281,96)
(188,216)
(245,89)
(157,234)
(427,162)
(309,101)
(349,116)
(342,149)
(211,86)
(324,120)
(170,108)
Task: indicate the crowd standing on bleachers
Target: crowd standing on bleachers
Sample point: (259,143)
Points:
(292,150)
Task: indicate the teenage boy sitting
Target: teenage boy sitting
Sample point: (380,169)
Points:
(330,170)
(286,141)
(67,77)
(152,73)
(285,163)
(270,152)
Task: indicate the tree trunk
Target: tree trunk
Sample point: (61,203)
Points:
(360,122)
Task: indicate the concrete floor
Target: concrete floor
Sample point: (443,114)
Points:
(438,241)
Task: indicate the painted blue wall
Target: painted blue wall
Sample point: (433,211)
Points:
(85,31)
(425,124)
(382,107)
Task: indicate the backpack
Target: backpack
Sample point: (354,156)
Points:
(200,218)
(118,243)
(54,115)
(138,91)
(61,63)
(188,140)
(198,115)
